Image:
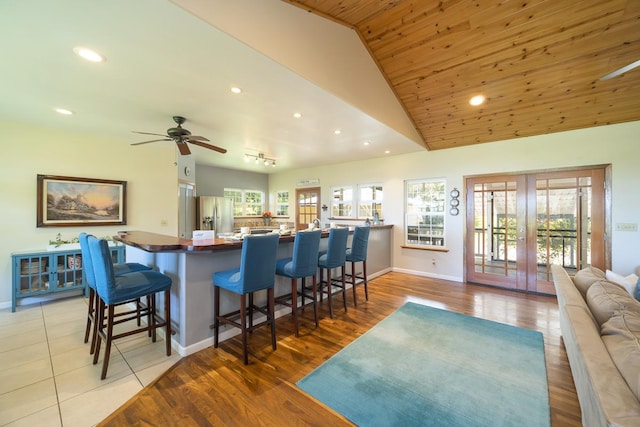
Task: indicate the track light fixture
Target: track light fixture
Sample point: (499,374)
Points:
(260,158)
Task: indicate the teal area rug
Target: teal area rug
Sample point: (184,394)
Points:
(422,366)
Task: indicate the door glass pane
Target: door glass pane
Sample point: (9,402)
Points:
(307,207)
(495,240)
(561,206)
(584,229)
(481,240)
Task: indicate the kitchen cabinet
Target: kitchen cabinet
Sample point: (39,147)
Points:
(45,273)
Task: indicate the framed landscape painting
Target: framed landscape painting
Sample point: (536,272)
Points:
(65,201)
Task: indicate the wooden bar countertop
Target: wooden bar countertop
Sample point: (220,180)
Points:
(154,242)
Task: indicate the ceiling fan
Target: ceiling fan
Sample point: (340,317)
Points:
(181,136)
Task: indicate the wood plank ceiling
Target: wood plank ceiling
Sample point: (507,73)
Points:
(538,62)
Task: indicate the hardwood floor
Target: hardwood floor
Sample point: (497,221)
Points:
(213,387)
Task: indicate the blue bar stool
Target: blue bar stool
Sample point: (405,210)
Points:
(303,264)
(113,290)
(334,257)
(257,272)
(358,253)
(118,270)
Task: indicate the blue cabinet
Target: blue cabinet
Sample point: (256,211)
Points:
(38,274)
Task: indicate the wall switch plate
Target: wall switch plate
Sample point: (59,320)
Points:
(626,226)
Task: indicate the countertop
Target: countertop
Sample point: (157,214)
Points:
(154,242)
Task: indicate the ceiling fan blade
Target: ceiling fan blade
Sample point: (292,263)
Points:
(184,148)
(210,147)
(153,140)
(196,138)
(148,133)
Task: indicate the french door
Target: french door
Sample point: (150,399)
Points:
(307,206)
(518,225)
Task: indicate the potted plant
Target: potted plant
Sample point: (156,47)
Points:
(266,217)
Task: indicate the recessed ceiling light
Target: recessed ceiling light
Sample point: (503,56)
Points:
(297,115)
(387,152)
(88,54)
(236,89)
(63,111)
(337,132)
(366,143)
(477,100)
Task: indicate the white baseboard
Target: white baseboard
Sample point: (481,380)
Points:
(425,274)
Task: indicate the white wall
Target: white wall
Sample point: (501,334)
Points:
(618,145)
(27,151)
(151,175)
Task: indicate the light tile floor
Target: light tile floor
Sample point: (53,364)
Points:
(46,373)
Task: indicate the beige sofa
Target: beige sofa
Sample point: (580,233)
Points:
(600,325)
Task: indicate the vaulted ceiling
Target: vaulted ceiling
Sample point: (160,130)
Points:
(371,78)
(538,62)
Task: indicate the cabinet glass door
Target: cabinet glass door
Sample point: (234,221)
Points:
(34,274)
(68,269)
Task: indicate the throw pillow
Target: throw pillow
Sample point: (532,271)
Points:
(586,277)
(621,337)
(627,282)
(605,299)
(637,291)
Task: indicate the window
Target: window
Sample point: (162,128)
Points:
(246,202)
(369,201)
(425,212)
(342,202)
(282,203)
(236,196)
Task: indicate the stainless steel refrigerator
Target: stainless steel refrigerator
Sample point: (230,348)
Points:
(214,213)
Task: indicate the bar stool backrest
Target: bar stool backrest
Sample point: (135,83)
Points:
(305,253)
(359,244)
(89,275)
(258,262)
(337,247)
(102,268)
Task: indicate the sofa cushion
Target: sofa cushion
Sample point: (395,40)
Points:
(605,298)
(586,277)
(628,282)
(621,337)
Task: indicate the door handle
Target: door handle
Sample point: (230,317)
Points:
(521,239)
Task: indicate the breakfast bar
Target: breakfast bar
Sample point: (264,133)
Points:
(191,264)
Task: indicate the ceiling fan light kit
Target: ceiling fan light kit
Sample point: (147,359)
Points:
(181,137)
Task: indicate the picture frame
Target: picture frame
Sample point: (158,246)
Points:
(65,201)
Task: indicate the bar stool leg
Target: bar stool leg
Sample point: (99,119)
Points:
(98,326)
(294,303)
(344,288)
(364,277)
(272,315)
(107,350)
(314,291)
(329,292)
(151,299)
(353,283)
(91,314)
(216,313)
(167,316)
(243,326)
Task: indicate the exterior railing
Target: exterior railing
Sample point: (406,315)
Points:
(562,245)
